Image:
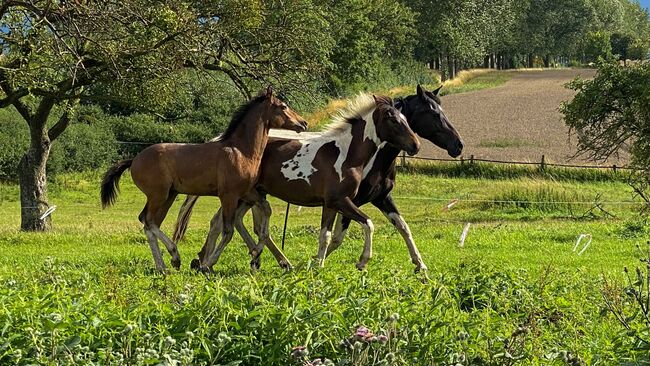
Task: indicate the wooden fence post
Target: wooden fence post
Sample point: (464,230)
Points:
(403,159)
(471,159)
(542,165)
(614,168)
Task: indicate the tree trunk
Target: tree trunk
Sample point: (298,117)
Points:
(547,61)
(33,182)
(531,59)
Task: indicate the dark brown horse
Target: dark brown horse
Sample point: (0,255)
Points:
(227,168)
(327,170)
(425,117)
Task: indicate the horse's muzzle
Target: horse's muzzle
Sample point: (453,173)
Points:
(456,150)
(301,126)
(413,149)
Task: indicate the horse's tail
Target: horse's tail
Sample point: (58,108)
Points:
(183,218)
(110,182)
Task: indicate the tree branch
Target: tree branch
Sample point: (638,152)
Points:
(64,121)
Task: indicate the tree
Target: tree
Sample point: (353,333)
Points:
(612,113)
(55,54)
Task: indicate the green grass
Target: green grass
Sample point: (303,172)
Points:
(482,170)
(491,79)
(504,143)
(87,292)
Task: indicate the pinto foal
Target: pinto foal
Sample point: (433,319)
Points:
(227,168)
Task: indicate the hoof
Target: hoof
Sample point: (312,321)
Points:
(195,264)
(421,268)
(206,270)
(286,266)
(256,264)
(176,263)
(361,266)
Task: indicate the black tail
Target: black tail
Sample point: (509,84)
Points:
(184,218)
(111,181)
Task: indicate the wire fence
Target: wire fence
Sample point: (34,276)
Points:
(542,164)
(462,160)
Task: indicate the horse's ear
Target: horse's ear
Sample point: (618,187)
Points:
(269,91)
(421,91)
(377,100)
(435,92)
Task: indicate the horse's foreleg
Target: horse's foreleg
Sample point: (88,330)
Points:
(326,223)
(262,220)
(388,208)
(228,211)
(245,235)
(340,229)
(216,227)
(349,209)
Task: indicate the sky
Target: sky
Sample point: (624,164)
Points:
(646,3)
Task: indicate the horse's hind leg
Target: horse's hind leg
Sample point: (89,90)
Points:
(216,227)
(327,221)
(228,211)
(261,218)
(158,219)
(253,248)
(340,229)
(349,209)
(155,251)
(152,239)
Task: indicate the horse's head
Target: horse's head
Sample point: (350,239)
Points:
(281,116)
(427,119)
(392,127)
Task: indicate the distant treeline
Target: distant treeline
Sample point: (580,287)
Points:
(175,71)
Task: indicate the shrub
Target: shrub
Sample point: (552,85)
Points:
(83,147)
(14,139)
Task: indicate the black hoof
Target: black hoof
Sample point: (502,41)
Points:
(176,264)
(195,264)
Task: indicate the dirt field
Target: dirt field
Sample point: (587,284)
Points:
(517,121)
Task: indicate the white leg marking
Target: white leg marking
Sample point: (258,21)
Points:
(398,221)
(323,241)
(368,229)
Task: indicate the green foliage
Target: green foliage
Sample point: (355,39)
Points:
(480,170)
(612,111)
(368,35)
(83,147)
(14,139)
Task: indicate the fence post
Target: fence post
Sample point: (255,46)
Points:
(614,168)
(403,159)
(542,165)
(471,159)
(462,160)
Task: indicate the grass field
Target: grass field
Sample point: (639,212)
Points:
(516,293)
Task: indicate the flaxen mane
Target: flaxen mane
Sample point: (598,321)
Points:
(356,109)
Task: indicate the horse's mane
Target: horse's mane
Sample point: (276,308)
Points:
(238,116)
(355,109)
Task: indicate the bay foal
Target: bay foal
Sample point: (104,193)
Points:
(426,118)
(227,168)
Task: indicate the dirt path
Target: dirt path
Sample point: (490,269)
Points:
(518,120)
